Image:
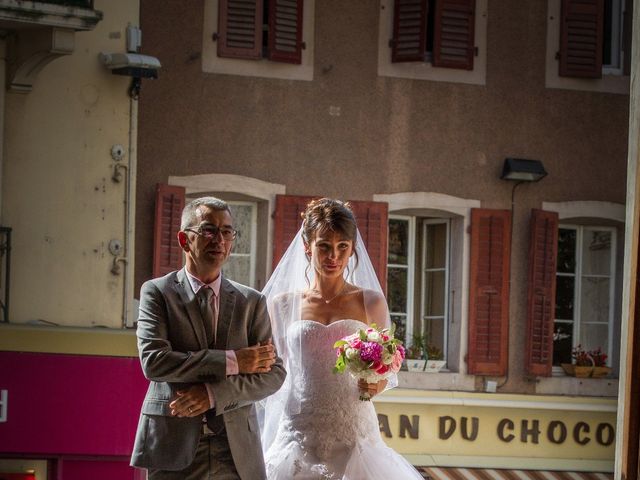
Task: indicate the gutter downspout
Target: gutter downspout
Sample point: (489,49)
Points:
(3,92)
(130,211)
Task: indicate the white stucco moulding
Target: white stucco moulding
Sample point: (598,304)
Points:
(587,209)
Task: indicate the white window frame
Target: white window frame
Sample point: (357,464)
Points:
(609,83)
(617,12)
(253,243)
(411,252)
(577,294)
(424,70)
(445,318)
(212,63)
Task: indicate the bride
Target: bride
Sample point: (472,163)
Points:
(324,289)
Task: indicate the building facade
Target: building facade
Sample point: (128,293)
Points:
(410,110)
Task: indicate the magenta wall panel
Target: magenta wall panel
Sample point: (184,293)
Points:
(97,470)
(69,404)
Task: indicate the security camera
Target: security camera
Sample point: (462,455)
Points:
(131,64)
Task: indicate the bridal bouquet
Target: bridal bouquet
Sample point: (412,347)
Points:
(369,354)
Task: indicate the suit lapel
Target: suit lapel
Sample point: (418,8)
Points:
(225,316)
(193,307)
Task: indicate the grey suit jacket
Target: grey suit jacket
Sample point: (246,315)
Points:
(174,355)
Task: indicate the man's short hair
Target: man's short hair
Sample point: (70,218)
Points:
(189,217)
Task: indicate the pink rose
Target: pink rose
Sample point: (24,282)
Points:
(396,363)
(382,369)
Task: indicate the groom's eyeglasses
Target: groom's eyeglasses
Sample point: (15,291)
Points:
(211,231)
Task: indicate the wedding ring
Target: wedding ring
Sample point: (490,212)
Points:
(190,411)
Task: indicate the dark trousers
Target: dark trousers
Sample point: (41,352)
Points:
(213,461)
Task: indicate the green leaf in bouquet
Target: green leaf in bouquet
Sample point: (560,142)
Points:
(341,364)
(392,330)
(340,343)
(363,335)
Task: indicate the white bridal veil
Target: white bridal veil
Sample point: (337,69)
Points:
(292,276)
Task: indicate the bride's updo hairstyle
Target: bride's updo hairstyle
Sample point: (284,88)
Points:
(329,215)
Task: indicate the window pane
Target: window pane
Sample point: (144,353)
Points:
(238,268)
(566,250)
(398,241)
(434,291)
(607,31)
(562,342)
(397,289)
(594,336)
(401,326)
(596,252)
(242,222)
(436,246)
(564,297)
(594,304)
(434,328)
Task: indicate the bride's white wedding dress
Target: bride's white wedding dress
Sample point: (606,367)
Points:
(334,435)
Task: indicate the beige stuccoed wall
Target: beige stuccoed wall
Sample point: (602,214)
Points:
(57,192)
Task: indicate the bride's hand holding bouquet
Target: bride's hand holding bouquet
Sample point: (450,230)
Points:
(371,356)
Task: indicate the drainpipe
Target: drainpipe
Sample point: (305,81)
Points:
(129,208)
(3,90)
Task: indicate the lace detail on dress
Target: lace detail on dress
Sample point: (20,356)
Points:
(318,442)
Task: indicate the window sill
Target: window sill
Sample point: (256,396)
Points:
(567,385)
(442,380)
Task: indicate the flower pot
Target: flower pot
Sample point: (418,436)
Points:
(434,366)
(416,364)
(577,370)
(600,372)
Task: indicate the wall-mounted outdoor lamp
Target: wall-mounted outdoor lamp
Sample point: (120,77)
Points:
(522,170)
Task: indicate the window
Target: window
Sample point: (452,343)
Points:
(418,278)
(440,32)
(585,290)
(241,265)
(270,29)
(612,36)
(435,40)
(592,38)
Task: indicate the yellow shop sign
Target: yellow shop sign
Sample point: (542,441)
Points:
(499,430)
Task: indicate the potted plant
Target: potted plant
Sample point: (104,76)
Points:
(415,354)
(592,363)
(600,368)
(435,359)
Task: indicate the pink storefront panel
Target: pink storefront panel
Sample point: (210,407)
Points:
(98,470)
(69,404)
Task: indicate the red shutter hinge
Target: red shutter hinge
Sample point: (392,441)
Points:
(475,51)
(303,45)
(215,36)
(557,55)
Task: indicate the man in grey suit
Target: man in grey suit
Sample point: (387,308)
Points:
(205,344)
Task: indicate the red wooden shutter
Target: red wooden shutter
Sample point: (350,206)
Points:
(167,255)
(453,34)
(543,250)
(409,42)
(373,223)
(581,37)
(489,292)
(240,29)
(285,31)
(287,222)
(372,218)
